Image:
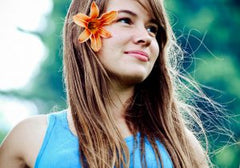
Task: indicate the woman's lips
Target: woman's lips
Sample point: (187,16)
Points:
(140,55)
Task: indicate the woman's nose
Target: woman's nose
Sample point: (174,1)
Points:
(142,37)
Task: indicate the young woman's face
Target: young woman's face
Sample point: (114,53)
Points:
(129,55)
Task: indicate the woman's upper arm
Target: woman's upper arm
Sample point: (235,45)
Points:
(21,146)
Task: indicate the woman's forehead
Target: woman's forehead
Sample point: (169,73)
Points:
(131,5)
(146,5)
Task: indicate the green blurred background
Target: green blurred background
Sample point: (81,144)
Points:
(208,30)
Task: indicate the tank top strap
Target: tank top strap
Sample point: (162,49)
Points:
(50,125)
(53,120)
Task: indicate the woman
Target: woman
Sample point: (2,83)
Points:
(123,109)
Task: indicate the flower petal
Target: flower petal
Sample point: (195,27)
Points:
(108,17)
(84,36)
(94,12)
(104,33)
(81,19)
(96,42)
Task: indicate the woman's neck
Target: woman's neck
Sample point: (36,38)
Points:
(117,106)
(119,100)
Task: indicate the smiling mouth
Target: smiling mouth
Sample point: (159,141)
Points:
(140,55)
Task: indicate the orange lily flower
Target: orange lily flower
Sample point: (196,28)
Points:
(94,26)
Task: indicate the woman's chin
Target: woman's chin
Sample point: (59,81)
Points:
(131,80)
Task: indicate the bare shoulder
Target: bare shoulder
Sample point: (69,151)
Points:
(21,146)
(199,152)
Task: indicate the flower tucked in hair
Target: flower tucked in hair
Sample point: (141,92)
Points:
(94,26)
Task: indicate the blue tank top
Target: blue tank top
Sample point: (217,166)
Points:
(60,147)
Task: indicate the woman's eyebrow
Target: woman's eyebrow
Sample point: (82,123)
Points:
(153,21)
(128,12)
(135,15)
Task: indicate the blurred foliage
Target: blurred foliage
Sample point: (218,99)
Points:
(208,33)
(2,135)
(207,30)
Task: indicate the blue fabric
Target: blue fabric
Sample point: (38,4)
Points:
(60,147)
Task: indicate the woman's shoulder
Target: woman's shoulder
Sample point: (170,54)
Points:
(22,144)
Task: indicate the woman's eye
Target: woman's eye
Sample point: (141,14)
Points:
(125,20)
(152,29)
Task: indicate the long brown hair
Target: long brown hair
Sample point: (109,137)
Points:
(154,109)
